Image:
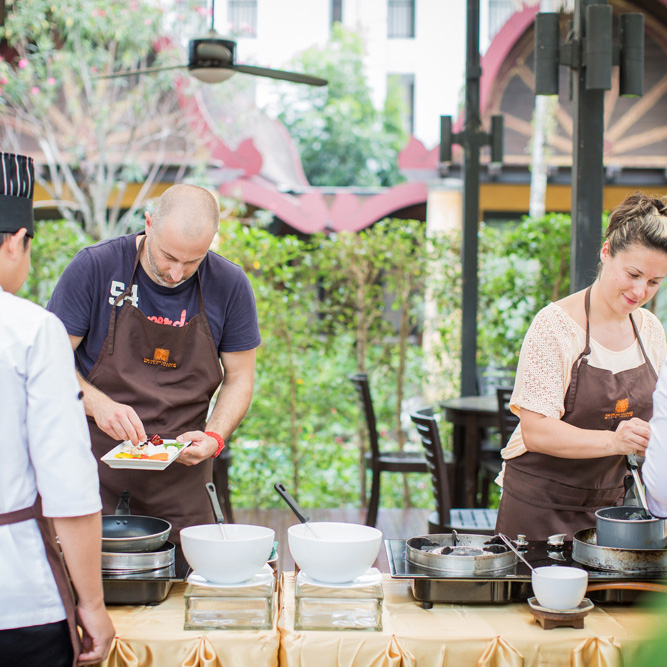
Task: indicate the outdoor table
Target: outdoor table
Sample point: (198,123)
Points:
(470,415)
(447,634)
(464,635)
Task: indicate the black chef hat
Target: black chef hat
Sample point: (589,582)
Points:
(17,181)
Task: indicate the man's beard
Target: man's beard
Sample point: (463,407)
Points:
(158,275)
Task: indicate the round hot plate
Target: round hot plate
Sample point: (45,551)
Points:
(585,550)
(459,554)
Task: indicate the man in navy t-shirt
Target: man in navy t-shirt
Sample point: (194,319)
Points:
(158,323)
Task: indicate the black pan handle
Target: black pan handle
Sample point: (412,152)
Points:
(215,503)
(123,506)
(293,505)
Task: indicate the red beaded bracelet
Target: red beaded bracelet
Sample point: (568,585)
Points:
(221,442)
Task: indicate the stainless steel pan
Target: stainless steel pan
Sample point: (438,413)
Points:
(125,532)
(129,562)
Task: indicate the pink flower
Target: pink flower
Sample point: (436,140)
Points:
(23,63)
(134,5)
(3,81)
(51,81)
(99,12)
(34,90)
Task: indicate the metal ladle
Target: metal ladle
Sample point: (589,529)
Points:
(508,542)
(217,510)
(634,469)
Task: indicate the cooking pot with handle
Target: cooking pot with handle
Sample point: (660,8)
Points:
(629,527)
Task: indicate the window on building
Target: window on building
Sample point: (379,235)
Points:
(336,11)
(400,18)
(406,84)
(243,17)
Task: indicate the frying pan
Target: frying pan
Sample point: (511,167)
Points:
(124,532)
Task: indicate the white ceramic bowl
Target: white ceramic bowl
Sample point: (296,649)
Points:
(558,587)
(342,553)
(233,560)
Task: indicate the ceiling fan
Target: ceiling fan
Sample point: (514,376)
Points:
(211,59)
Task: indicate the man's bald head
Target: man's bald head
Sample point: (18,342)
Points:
(192,210)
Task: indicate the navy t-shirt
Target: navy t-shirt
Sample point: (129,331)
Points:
(90,284)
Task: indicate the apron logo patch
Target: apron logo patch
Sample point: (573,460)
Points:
(160,358)
(621,410)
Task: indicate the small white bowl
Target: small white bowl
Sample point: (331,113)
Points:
(343,552)
(560,588)
(233,560)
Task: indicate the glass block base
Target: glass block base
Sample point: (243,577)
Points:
(220,613)
(356,605)
(246,606)
(338,614)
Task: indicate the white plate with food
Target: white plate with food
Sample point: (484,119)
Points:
(154,454)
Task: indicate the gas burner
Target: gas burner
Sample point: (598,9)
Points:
(465,582)
(459,554)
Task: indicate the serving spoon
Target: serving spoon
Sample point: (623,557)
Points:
(294,506)
(217,510)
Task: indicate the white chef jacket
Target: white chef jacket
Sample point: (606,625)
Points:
(654,470)
(45,445)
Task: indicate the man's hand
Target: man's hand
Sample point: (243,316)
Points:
(203,447)
(117,420)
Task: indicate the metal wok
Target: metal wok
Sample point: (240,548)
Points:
(124,532)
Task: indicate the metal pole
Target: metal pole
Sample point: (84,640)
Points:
(471,148)
(587,168)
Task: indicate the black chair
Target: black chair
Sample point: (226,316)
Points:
(507,420)
(221,480)
(492,462)
(445,519)
(378,460)
(489,379)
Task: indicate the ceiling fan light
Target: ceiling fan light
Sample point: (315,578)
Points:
(211,74)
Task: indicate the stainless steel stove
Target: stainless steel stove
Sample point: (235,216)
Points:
(511,581)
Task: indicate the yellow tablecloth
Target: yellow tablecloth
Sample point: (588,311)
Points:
(445,636)
(154,637)
(461,635)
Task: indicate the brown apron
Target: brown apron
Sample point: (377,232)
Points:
(56,563)
(168,375)
(544,495)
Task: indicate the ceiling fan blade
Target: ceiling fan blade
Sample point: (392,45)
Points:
(296,77)
(145,70)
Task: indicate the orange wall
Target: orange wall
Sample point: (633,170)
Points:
(504,197)
(128,198)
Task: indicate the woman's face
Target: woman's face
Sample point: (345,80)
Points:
(631,277)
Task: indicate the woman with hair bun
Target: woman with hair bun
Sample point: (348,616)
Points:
(584,386)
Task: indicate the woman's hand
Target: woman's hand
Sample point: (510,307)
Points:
(631,436)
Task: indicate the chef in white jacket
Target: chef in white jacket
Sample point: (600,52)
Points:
(654,470)
(47,468)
